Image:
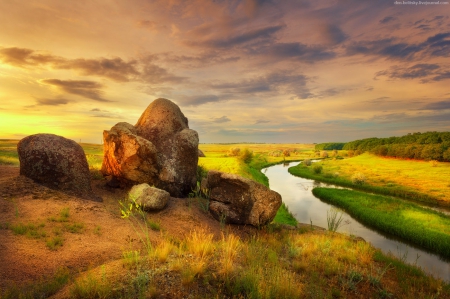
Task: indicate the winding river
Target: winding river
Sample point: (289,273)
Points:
(297,195)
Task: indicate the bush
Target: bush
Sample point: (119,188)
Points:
(246,156)
(234,151)
(286,153)
(324,154)
(358,178)
(317,168)
(202,172)
(307,162)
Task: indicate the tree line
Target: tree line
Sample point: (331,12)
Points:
(419,146)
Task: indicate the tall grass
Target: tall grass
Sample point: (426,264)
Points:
(399,191)
(424,227)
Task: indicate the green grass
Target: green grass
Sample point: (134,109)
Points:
(330,175)
(43,288)
(424,227)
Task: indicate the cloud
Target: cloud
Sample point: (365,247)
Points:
(150,25)
(22,57)
(52,102)
(441,105)
(335,34)
(434,46)
(297,51)
(225,41)
(196,100)
(273,83)
(114,68)
(88,89)
(262,121)
(222,119)
(206,58)
(387,19)
(139,70)
(425,71)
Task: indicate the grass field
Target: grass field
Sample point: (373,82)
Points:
(304,263)
(423,227)
(410,179)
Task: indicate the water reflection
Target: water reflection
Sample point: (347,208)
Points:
(296,194)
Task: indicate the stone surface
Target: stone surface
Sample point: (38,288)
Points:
(241,200)
(159,150)
(57,163)
(201,154)
(149,198)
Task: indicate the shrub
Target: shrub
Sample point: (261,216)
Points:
(358,178)
(246,156)
(307,162)
(286,153)
(202,172)
(317,168)
(324,154)
(234,151)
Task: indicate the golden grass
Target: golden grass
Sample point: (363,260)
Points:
(420,176)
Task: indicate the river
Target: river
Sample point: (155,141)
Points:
(297,195)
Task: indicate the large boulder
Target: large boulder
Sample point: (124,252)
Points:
(149,198)
(57,163)
(240,200)
(159,150)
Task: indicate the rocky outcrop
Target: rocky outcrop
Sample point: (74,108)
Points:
(57,163)
(149,198)
(200,153)
(159,150)
(240,200)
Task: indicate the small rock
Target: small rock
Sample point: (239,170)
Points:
(150,198)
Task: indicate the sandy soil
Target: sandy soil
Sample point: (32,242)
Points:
(104,237)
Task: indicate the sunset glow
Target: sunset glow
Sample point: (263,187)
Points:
(241,71)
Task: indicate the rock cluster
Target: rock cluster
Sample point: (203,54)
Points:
(240,200)
(159,150)
(57,163)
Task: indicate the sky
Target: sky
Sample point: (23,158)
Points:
(273,71)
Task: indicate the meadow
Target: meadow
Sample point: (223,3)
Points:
(410,179)
(420,226)
(272,263)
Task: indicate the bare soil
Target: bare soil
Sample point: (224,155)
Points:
(104,237)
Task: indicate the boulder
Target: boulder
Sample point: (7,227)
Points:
(200,153)
(57,163)
(149,198)
(240,200)
(159,150)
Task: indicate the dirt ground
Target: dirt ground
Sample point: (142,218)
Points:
(104,237)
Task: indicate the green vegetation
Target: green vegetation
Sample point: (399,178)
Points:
(423,227)
(58,225)
(329,146)
(412,180)
(296,265)
(419,146)
(43,288)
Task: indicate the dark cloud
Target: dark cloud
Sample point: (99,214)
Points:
(88,89)
(370,88)
(141,70)
(387,19)
(442,105)
(114,68)
(335,34)
(298,51)
(435,46)
(52,102)
(206,58)
(196,100)
(378,100)
(262,121)
(26,57)
(275,83)
(225,41)
(222,119)
(426,72)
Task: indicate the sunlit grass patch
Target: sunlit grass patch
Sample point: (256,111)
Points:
(423,227)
